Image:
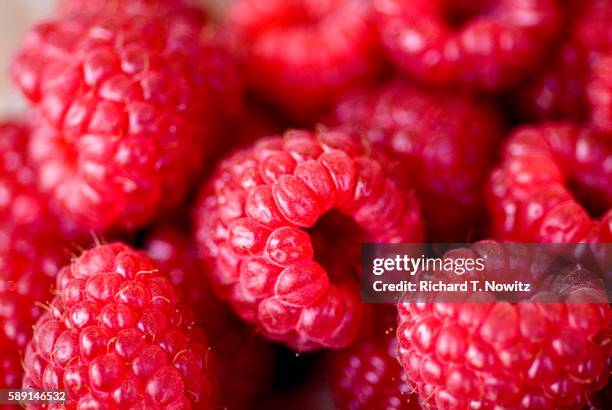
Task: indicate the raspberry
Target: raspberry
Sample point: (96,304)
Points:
(487,45)
(558,91)
(117,335)
(425,134)
(128,101)
(533,195)
(301,54)
(33,245)
(528,355)
(244,365)
(600,95)
(275,218)
(367,375)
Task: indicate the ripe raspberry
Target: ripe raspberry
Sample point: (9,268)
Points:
(426,134)
(33,245)
(245,361)
(558,91)
(367,375)
(128,101)
(600,94)
(492,355)
(274,220)
(487,45)
(533,195)
(118,336)
(301,54)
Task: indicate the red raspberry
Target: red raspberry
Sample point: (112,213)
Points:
(486,45)
(245,361)
(426,134)
(600,94)
(497,355)
(32,248)
(558,90)
(301,54)
(533,195)
(129,99)
(117,336)
(274,220)
(367,375)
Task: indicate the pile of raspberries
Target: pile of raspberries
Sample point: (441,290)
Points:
(182,207)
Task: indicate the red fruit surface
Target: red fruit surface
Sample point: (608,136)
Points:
(98,6)
(490,355)
(245,362)
(33,246)
(559,88)
(368,375)
(551,181)
(486,45)
(280,226)
(443,144)
(301,54)
(599,92)
(118,336)
(129,101)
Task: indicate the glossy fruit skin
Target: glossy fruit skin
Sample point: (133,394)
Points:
(254,230)
(368,375)
(529,194)
(117,335)
(33,246)
(129,101)
(245,361)
(491,355)
(559,90)
(490,48)
(302,54)
(444,145)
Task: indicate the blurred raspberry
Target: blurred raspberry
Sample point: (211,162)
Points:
(33,246)
(368,375)
(245,362)
(553,177)
(301,54)
(487,45)
(487,355)
(442,144)
(558,90)
(117,335)
(130,102)
(280,225)
(600,94)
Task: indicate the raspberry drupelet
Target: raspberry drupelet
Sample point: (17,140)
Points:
(118,336)
(280,225)
(245,361)
(552,179)
(444,145)
(301,54)
(368,375)
(537,354)
(484,45)
(128,102)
